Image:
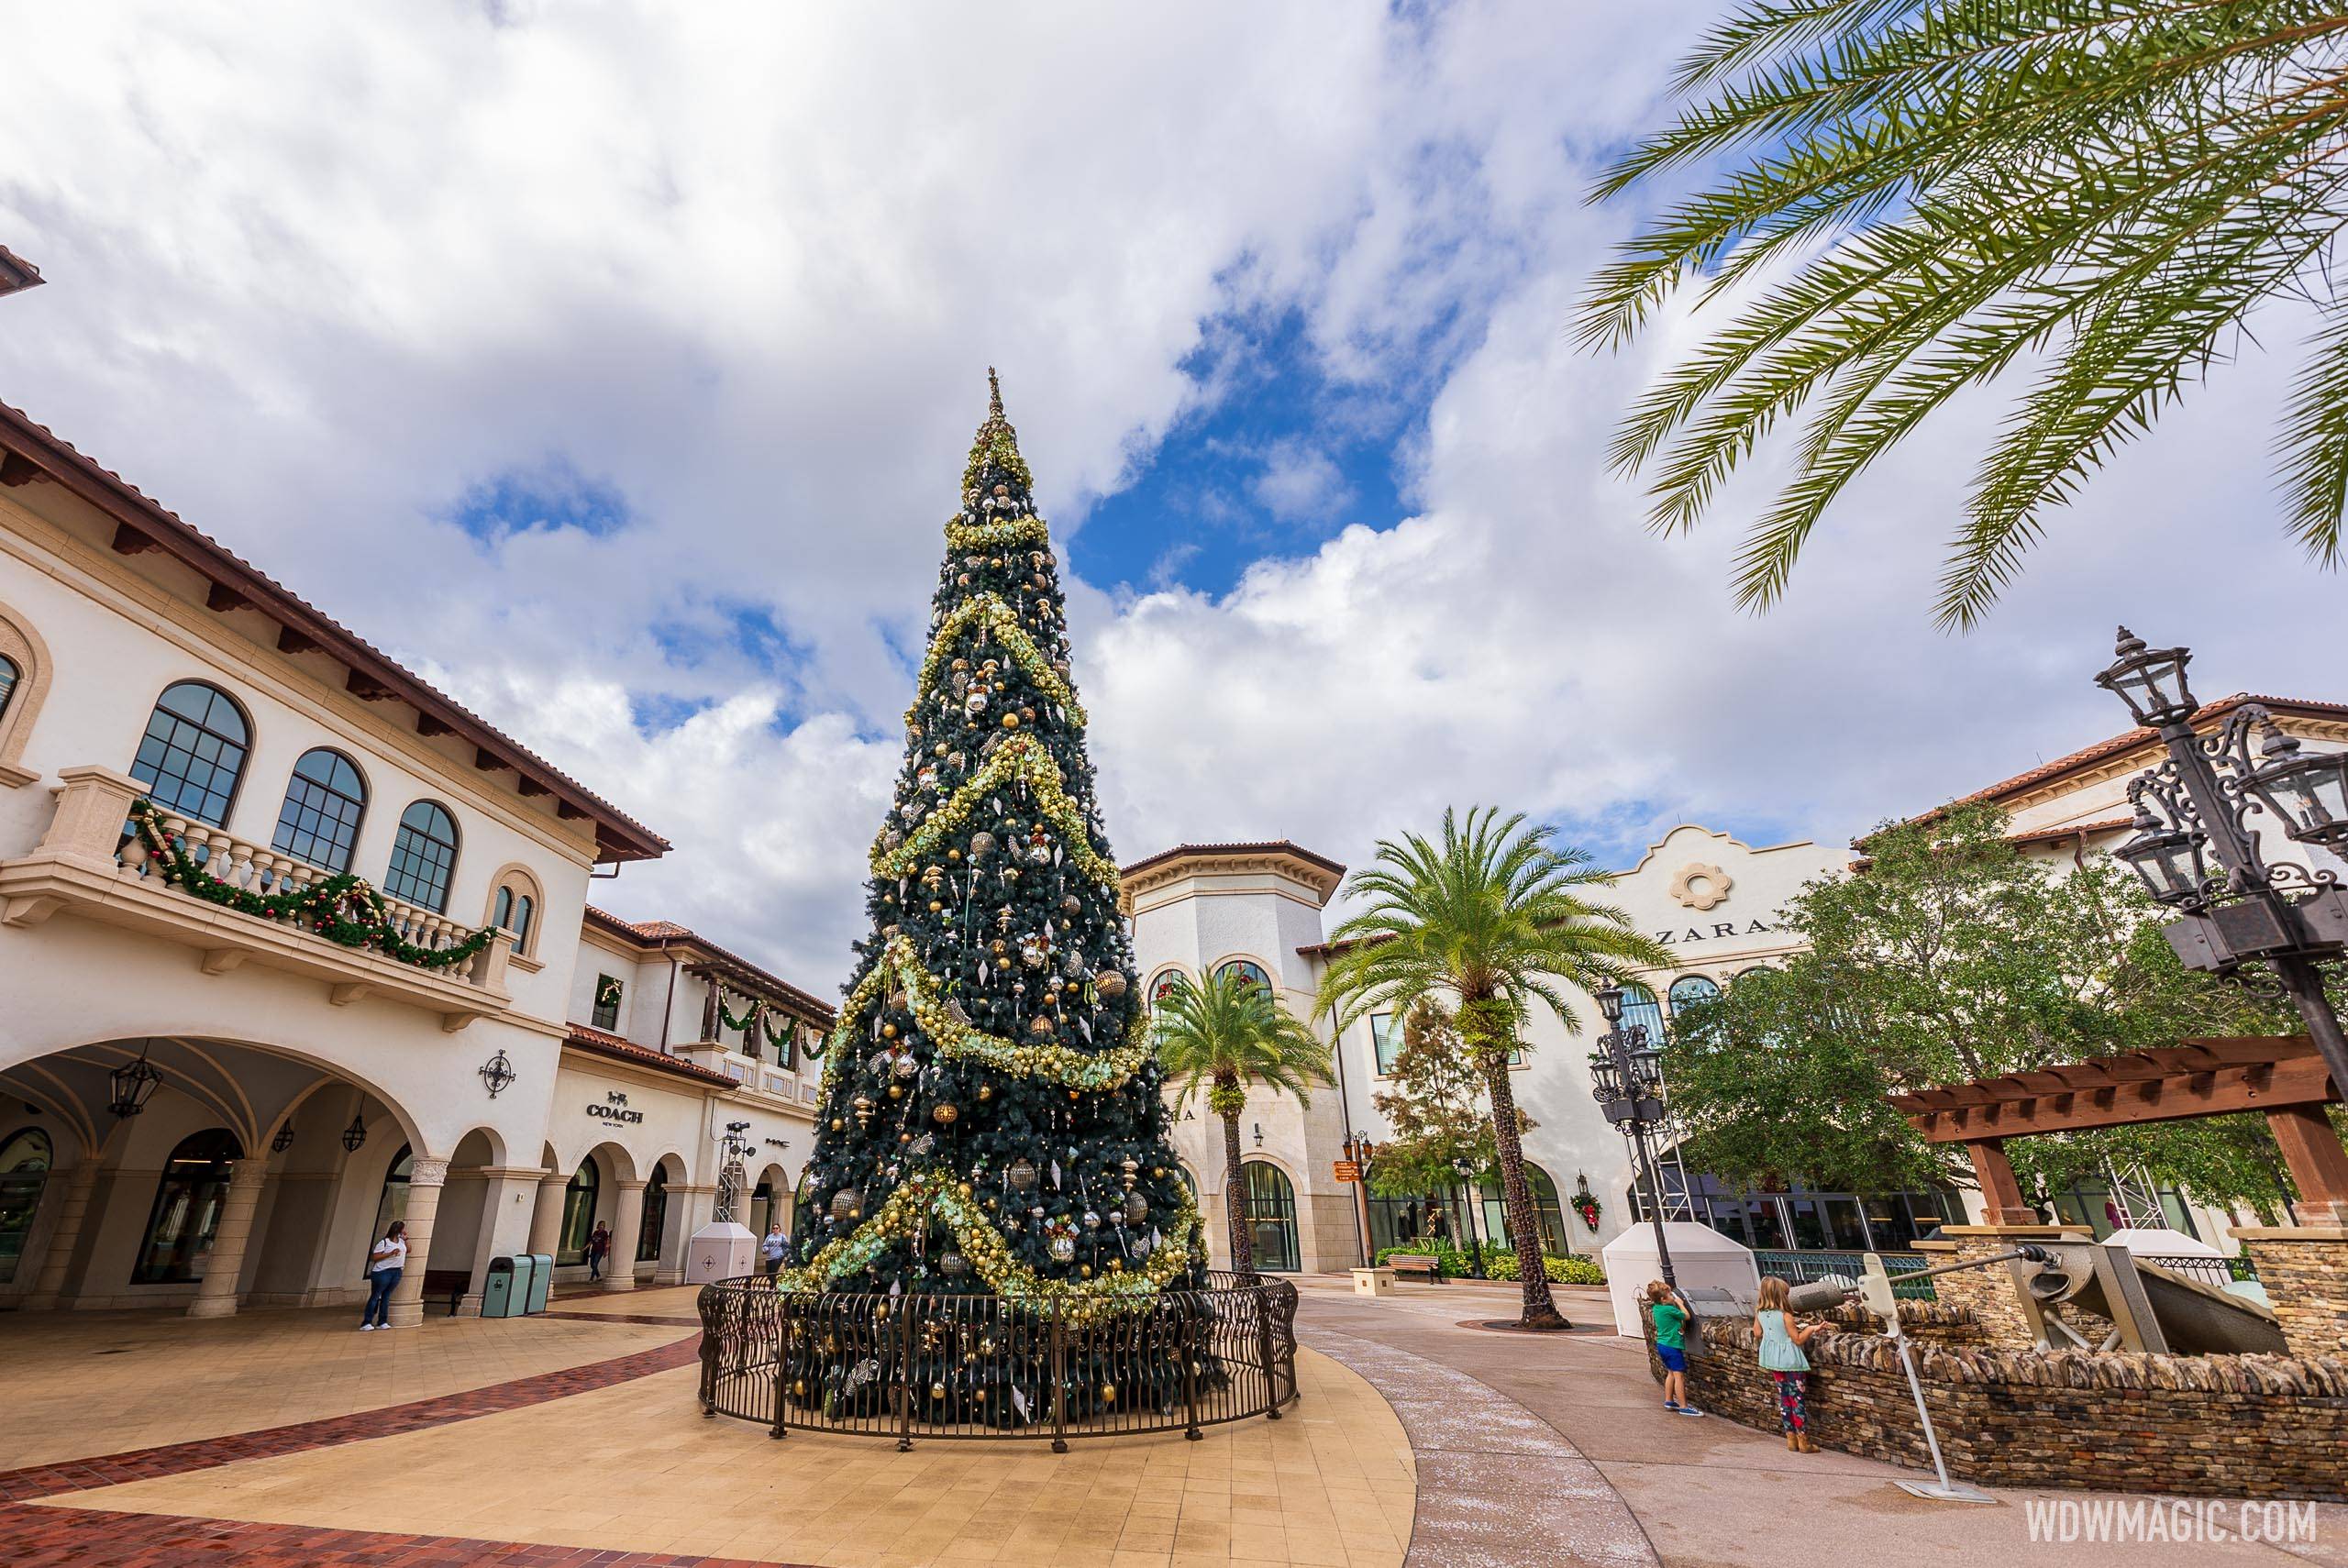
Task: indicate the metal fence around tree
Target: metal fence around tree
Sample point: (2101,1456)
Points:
(970,1366)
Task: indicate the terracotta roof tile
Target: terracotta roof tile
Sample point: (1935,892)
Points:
(17,273)
(1269,846)
(619,836)
(611,1046)
(748,973)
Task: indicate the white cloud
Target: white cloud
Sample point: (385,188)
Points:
(317,273)
(1300,481)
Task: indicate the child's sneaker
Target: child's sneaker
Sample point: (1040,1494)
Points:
(1671,1405)
(1686,1411)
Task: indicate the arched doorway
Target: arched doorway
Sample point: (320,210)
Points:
(186,1212)
(577,1213)
(1272,1216)
(25,1158)
(656,1216)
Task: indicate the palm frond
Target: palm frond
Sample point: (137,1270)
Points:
(1921,192)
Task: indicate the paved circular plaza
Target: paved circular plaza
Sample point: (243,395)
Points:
(288,1438)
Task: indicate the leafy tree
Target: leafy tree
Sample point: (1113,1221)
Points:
(1490,922)
(1435,1112)
(1915,195)
(1951,955)
(1224,1034)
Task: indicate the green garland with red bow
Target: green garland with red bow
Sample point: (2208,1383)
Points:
(345,909)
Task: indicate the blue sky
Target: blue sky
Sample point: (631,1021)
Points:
(613,365)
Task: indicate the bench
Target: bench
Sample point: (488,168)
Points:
(1415,1262)
(451,1283)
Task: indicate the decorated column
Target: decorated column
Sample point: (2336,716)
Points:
(992,1121)
(215,1294)
(48,1288)
(627,1229)
(426,1178)
(546,1220)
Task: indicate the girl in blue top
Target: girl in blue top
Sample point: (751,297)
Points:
(1780,1341)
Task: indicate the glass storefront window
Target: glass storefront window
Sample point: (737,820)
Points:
(578,1215)
(1272,1216)
(1805,1219)
(188,1201)
(24,1161)
(656,1216)
(392,1203)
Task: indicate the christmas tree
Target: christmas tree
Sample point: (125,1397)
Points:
(992,1121)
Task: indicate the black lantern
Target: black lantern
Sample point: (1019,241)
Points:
(1610,1002)
(2309,790)
(2171,860)
(283,1140)
(497,1072)
(354,1137)
(1605,1077)
(2150,680)
(131,1086)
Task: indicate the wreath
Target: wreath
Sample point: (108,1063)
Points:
(1586,1205)
(607,991)
(344,909)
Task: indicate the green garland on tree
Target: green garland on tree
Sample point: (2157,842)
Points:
(345,909)
(992,1121)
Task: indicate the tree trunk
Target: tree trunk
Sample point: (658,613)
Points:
(1523,1222)
(1235,1201)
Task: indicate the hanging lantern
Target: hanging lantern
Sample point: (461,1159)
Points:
(131,1086)
(354,1137)
(283,1140)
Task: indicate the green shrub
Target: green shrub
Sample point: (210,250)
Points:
(1498,1264)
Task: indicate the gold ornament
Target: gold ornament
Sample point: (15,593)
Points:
(945,1113)
(896,1091)
(986,1092)
(863,1111)
(1011,721)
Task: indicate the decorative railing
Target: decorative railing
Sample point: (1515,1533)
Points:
(215,865)
(968,1366)
(1802,1268)
(110,855)
(2215,1273)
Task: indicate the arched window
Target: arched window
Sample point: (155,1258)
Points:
(514,906)
(1249,970)
(1756,969)
(656,1216)
(323,801)
(1640,1007)
(1692,991)
(188,1201)
(10,676)
(25,1160)
(1546,1209)
(1272,1216)
(578,1214)
(423,855)
(392,1202)
(192,756)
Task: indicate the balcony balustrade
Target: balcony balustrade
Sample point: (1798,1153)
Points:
(88,865)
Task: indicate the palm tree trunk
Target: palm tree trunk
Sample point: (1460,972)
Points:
(1234,1198)
(1540,1309)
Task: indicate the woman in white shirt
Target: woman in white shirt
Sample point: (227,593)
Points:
(385,1260)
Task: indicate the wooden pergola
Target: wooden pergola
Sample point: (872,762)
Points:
(2279,1076)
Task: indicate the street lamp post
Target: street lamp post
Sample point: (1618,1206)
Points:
(1360,1150)
(2246,909)
(1626,1080)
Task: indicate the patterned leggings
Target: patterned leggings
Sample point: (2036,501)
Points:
(1790,1408)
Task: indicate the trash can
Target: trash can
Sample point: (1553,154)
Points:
(541,1281)
(506,1292)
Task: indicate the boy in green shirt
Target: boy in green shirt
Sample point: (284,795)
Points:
(1668,1309)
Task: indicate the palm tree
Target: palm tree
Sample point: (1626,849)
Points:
(1224,1034)
(1492,920)
(1920,193)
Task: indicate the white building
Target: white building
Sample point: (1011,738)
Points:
(1200,909)
(205,1106)
(1714,902)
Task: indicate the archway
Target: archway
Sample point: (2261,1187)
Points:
(188,1172)
(1272,1216)
(768,1202)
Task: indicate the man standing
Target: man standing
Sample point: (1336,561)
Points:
(599,1249)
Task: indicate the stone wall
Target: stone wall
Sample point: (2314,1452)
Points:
(2305,1271)
(2249,1426)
